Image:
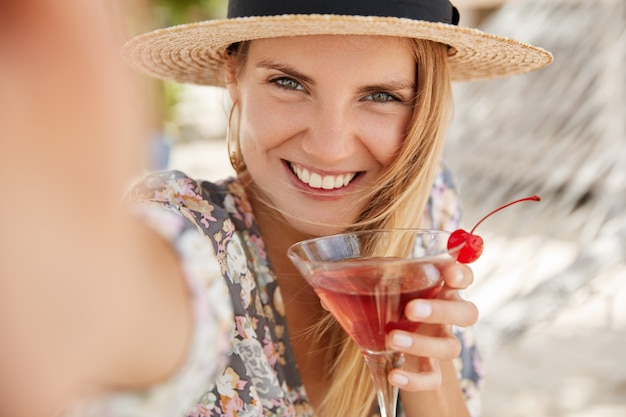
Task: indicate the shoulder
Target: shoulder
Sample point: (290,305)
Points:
(174,189)
(203,202)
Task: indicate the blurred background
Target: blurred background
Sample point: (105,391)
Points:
(551,284)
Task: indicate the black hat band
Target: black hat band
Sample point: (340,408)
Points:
(427,10)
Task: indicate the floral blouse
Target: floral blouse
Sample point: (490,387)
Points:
(257,374)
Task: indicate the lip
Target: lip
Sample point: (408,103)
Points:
(321,193)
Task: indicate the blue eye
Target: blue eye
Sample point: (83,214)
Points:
(288,83)
(381,97)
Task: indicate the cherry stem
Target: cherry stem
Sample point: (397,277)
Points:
(532,198)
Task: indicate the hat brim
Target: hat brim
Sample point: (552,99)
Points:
(195,53)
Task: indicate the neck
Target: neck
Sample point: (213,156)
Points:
(278,236)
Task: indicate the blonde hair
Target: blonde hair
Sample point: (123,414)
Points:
(398,200)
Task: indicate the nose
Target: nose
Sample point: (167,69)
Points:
(332,135)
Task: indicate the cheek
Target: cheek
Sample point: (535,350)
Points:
(383,135)
(265,124)
(253,131)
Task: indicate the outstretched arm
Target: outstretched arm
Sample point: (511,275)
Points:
(90,299)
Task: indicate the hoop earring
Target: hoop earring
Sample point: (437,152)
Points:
(232,142)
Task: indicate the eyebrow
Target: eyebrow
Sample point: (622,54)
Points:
(287,69)
(393,85)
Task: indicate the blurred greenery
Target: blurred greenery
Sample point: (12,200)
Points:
(175,12)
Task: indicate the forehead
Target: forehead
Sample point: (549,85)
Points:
(335,45)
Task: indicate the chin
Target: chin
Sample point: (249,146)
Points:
(319,228)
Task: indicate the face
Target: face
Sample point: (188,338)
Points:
(321,118)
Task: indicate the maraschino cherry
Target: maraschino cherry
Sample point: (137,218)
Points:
(473,247)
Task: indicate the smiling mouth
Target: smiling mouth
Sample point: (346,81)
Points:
(322,181)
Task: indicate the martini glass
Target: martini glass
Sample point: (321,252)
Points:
(366,278)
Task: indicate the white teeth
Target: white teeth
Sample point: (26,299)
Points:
(327,182)
(315,181)
(303,174)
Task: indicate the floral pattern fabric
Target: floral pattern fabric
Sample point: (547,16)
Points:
(260,376)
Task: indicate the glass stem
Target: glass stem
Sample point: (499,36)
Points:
(380,364)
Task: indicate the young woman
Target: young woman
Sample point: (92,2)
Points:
(338,123)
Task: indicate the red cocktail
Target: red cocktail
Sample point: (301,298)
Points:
(366,279)
(368,296)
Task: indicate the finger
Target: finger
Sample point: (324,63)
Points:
(458,276)
(456,312)
(428,378)
(447,293)
(444,345)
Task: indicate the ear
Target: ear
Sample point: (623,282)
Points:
(233,90)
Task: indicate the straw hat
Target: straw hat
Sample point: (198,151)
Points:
(195,53)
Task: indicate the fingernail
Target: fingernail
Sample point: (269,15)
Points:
(399,379)
(421,309)
(402,340)
(458,276)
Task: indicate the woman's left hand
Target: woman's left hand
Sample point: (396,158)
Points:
(434,341)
